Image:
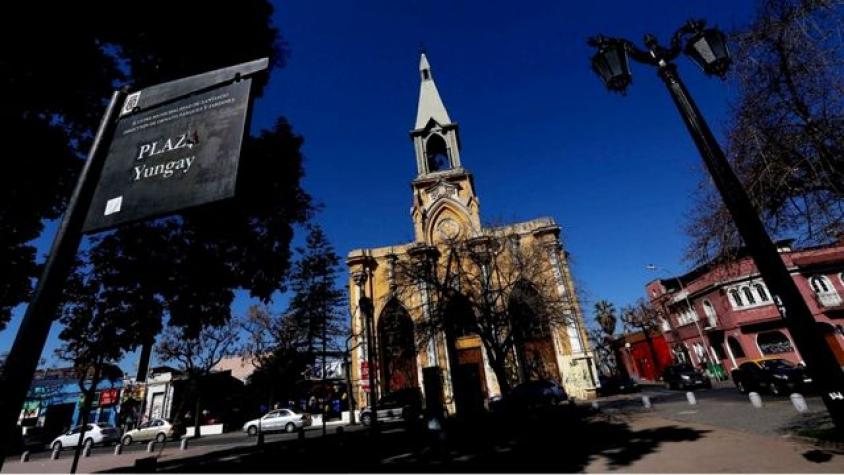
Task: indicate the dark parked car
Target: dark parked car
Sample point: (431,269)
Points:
(684,376)
(535,394)
(616,384)
(404,405)
(776,375)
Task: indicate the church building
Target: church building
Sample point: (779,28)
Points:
(492,303)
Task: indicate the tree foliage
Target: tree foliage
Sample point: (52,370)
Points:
(786,137)
(282,346)
(62,70)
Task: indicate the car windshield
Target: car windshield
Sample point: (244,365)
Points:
(777,364)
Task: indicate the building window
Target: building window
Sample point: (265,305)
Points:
(736,298)
(709,310)
(748,295)
(762,292)
(735,347)
(820,284)
(773,343)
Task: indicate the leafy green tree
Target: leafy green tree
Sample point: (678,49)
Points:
(94,338)
(605,316)
(62,72)
(317,305)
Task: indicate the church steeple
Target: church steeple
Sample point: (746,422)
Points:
(435,138)
(430,104)
(445,205)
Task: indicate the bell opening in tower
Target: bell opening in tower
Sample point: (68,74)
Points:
(437,154)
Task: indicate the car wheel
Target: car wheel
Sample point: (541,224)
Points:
(365,419)
(127,440)
(252,431)
(88,443)
(290,427)
(57,445)
(740,385)
(161,437)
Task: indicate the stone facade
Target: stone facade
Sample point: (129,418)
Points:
(445,211)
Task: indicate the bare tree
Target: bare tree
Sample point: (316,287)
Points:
(786,139)
(646,318)
(497,286)
(197,356)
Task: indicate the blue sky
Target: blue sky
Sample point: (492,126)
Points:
(539,131)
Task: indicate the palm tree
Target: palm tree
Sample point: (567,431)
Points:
(605,316)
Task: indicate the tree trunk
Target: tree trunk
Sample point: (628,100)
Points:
(86,409)
(197,407)
(499,367)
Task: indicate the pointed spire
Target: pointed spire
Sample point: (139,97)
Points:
(430,104)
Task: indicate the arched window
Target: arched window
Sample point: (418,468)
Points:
(762,292)
(397,349)
(773,343)
(437,154)
(735,347)
(820,284)
(748,295)
(736,298)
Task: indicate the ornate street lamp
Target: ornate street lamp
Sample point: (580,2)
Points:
(707,47)
(610,63)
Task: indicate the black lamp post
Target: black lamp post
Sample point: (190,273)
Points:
(707,47)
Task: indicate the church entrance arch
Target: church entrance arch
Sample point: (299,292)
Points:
(532,331)
(398,351)
(465,357)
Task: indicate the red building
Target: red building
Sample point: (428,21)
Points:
(641,360)
(723,312)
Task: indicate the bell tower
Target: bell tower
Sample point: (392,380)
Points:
(444,202)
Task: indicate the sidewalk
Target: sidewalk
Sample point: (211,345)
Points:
(715,450)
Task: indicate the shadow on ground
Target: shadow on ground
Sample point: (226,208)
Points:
(556,440)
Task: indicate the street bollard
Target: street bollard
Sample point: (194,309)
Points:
(25,456)
(86,450)
(151,446)
(596,406)
(184,444)
(118,449)
(691,397)
(799,403)
(56,452)
(755,399)
(646,401)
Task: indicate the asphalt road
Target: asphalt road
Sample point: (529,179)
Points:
(724,406)
(227,440)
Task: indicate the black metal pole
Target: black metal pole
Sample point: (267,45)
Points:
(35,326)
(367,309)
(820,361)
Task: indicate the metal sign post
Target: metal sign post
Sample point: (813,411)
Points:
(157,151)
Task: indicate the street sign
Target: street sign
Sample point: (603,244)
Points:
(175,146)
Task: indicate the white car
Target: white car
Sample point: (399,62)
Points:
(277,420)
(98,433)
(156,429)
